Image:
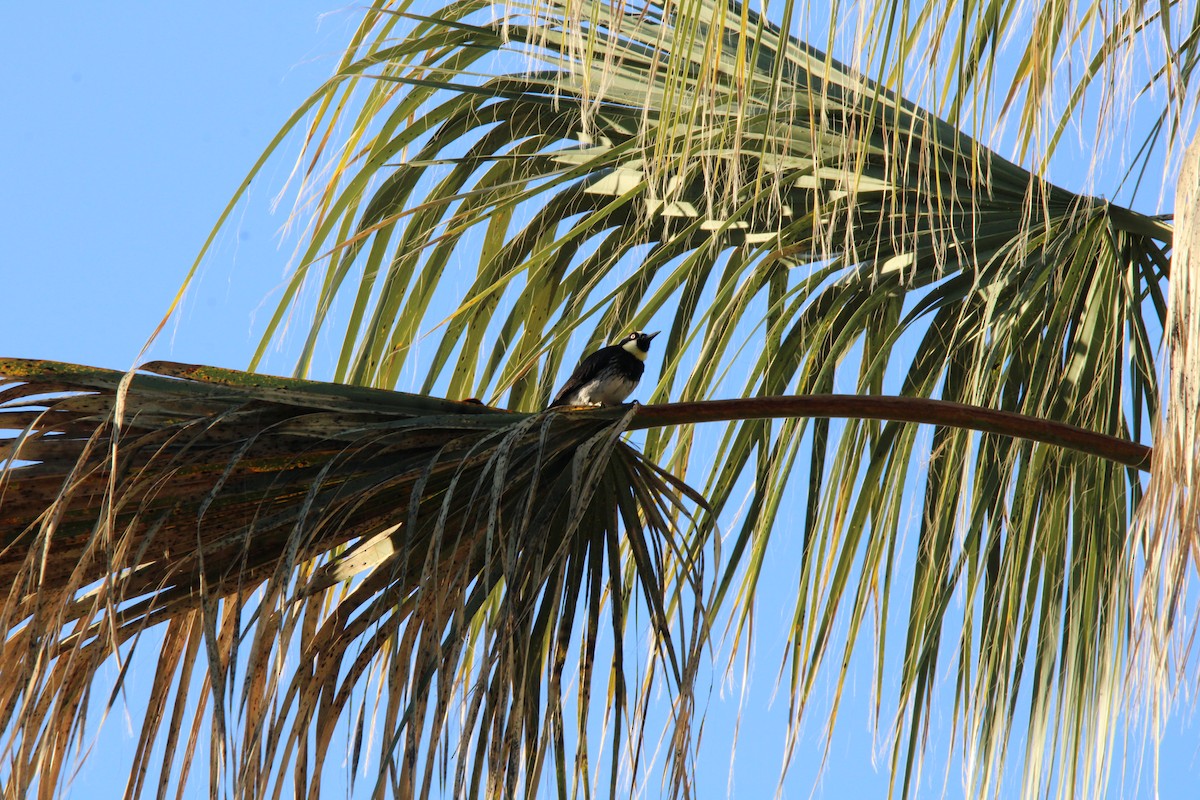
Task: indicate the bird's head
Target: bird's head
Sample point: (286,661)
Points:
(638,343)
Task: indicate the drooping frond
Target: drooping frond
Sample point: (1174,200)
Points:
(410,573)
(1168,521)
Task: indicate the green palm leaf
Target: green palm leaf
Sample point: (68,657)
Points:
(749,190)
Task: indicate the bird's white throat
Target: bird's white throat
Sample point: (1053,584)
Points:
(632,347)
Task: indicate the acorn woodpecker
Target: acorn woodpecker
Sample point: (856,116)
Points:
(607,376)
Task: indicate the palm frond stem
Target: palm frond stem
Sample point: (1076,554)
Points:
(890,408)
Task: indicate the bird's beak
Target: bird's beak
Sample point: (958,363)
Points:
(652,335)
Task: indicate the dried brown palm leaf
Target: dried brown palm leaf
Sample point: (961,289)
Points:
(484,545)
(308,541)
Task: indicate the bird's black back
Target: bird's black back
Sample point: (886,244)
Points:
(594,364)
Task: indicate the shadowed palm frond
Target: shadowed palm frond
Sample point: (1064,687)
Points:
(448,554)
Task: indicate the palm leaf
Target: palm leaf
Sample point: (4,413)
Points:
(228,506)
(790,218)
(235,508)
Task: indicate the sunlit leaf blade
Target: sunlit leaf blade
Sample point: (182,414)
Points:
(432,564)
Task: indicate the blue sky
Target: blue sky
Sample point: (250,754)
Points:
(126,132)
(127,128)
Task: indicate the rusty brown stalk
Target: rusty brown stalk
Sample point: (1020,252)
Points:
(899,409)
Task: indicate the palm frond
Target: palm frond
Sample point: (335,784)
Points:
(799,225)
(1168,521)
(483,545)
(796,226)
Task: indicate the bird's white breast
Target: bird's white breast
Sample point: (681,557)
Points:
(610,390)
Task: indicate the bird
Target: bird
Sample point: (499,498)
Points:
(607,376)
